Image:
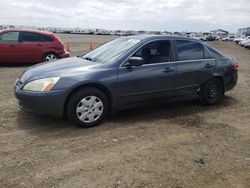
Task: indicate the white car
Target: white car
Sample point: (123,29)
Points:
(197,36)
(229,38)
(244,40)
(247,45)
(238,39)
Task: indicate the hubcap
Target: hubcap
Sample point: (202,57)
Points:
(50,57)
(89,109)
(212,91)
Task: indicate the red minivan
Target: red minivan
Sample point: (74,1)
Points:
(30,46)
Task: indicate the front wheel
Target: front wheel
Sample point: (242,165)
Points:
(49,57)
(211,92)
(87,107)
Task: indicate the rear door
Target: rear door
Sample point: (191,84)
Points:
(195,66)
(9,47)
(31,47)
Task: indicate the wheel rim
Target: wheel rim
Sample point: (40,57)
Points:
(213,91)
(50,57)
(89,109)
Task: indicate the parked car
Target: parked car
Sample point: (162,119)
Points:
(229,38)
(124,73)
(210,38)
(198,36)
(244,41)
(247,44)
(237,40)
(218,38)
(30,46)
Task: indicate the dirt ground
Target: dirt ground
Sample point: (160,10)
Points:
(150,147)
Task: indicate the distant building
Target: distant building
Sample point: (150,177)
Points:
(219,33)
(244,32)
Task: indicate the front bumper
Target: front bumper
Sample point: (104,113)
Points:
(51,103)
(65,54)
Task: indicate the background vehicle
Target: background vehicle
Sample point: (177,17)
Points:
(30,46)
(229,38)
(198,37)
(210,38)
(243,41)
(237,40)
(247,44)
(125,73)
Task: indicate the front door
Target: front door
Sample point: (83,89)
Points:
(9,47)
(155,79)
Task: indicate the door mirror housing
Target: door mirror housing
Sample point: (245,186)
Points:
(135,61)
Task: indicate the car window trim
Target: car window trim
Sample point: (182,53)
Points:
(153,40)
(172,62)
(173,44)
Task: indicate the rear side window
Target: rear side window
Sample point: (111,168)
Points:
(30,37)
(189,50)
(35,37)
(46,38)
(9,37)
(215,53)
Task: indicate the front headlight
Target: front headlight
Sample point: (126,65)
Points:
(42,85)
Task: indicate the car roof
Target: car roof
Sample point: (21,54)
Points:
(26,30)
(163,37)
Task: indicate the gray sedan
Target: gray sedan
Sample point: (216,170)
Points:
(124,73)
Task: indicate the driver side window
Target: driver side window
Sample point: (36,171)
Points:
(155,52)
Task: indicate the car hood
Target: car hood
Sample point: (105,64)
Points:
(60,68)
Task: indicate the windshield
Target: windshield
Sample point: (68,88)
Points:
(112,50)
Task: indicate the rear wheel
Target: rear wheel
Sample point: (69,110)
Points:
(49,57)
(87,107)
(211,92)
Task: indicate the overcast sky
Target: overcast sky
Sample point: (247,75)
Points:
(170,15)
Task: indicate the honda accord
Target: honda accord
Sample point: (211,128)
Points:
(124,73)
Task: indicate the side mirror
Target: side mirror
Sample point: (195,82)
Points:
(135,61)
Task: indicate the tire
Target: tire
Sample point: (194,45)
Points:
(50,57)
(87,107)
(211,92)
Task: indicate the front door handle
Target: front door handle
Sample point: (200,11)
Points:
(168,69)
(39,45)
(208,65)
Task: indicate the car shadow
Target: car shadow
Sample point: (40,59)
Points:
(15,65)
(171,110)
(46,125)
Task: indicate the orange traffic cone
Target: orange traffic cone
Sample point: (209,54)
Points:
(68,46)
(91,45)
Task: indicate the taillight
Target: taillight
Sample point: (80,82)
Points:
(236,66)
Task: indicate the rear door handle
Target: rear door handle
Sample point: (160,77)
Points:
(168,69)
(13,45)
(208,65)
(39,45)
